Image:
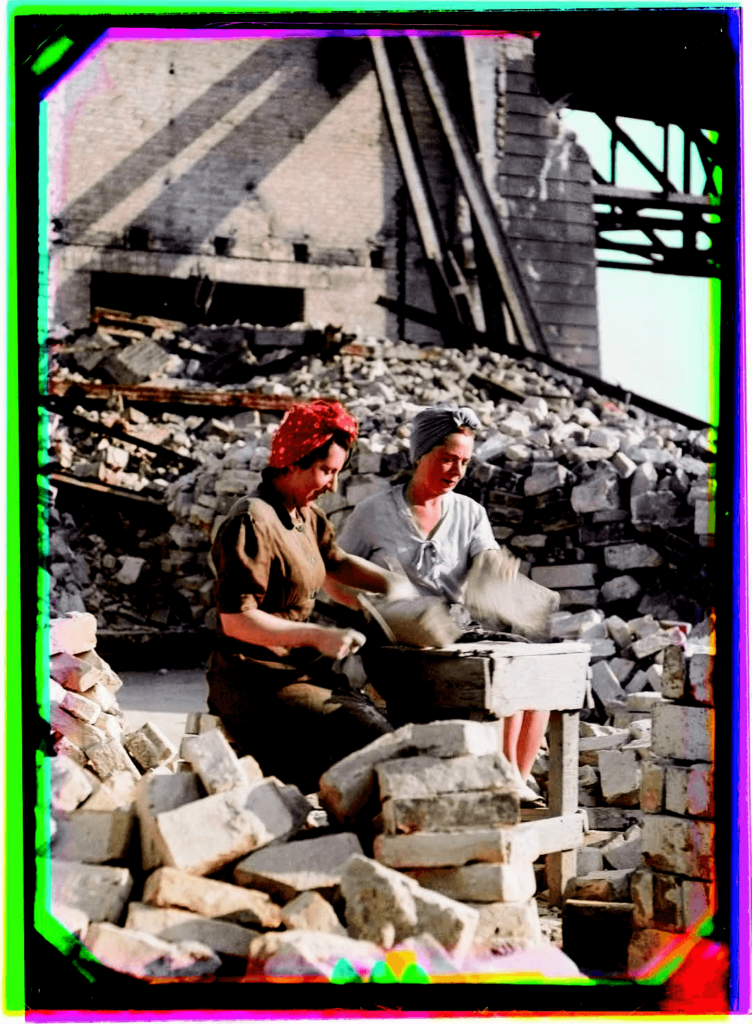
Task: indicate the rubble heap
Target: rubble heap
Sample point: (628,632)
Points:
(608,505)
(176,864)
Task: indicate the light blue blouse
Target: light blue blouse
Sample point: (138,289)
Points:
(382,529)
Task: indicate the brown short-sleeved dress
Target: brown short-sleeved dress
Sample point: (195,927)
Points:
(273,699)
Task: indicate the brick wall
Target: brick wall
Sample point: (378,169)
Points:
(227,157)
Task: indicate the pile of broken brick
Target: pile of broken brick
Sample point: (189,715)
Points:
(607,504)
(178,864)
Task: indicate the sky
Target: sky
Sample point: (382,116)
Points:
(654,328)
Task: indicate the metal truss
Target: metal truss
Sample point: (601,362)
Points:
(692,218)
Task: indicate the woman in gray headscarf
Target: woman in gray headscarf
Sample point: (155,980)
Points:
(433,534)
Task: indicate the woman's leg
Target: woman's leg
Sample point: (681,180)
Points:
(530,739)
(512,726)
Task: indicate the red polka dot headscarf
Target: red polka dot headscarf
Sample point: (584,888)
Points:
(306,427)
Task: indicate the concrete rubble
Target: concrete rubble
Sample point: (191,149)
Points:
(190,864)
(611,507)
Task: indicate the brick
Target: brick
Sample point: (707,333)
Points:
(601,648)
(138,362)
(558,577)
(94,837)
(545,477)
(620,777)
(203,836)
(624,851)
(80,734)
(130,570)
(100,891)
(346,787)
(452,849)
(73,634)
(618,630)
(643,701)
(480,883)
(612,819)
(70,785)
(307,864)
(637,684)
(620,588)
(156,794)
(175,925)
(622,668)
(652,783)
(658,901)
(71,918)
(213,760)
(149,747)
(416,777)
(609,886)
(169,887)
(699,902)
(578,599)
(80,707)
(109,757)
(64,748)
(103,673)
(379,902)
(118,792)
(649,949)
(631,556)
(625,467)
(451,810)
(604,683)
(654,677)
(581,920)
(680,845)
(589,859)
(311,912)
(700,680)
(310,955)
(704,522)
(601,491)
(683,733)
(111,726)
(451,923)
(104,697)
(507,922)
(690,790)
(571,626)
(145,956)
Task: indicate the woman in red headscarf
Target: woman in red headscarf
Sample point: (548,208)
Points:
(270,676)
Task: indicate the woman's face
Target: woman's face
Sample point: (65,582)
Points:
(441,469)
(306,485)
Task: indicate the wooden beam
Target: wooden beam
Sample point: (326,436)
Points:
(501,255)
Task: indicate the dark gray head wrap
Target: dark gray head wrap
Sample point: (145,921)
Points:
(431,426)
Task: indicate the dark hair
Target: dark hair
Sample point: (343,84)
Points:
(339,437)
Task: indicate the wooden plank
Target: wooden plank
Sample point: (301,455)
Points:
(563,334)
(534,166)
(534,124)
(567,313)
(556,191)
(538,683)
(556,832)
(459,682)
(177,396)
(560,867)
(569,294)
(613,193)
(570,213)
(552,230)
(519,103)
(577,252)
(92,485)
(564,273)
(563,746)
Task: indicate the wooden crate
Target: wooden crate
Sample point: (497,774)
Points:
(495,677)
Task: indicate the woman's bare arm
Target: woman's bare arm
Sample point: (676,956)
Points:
(265,630)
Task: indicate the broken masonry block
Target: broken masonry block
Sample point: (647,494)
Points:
(202,836)
(156,794)
(690,790)
(145,956)
(480,883)
(170,887)
(213,760)
(685,846)
(311,912)
(100,891)
(175,925)
(453,849)
(306,864)
(149,747)
(620,773)
(94,837)
(683,733)
(73,634)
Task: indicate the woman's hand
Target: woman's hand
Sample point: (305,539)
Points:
(338,643)
(509,565)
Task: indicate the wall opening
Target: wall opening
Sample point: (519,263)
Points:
(196,300)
